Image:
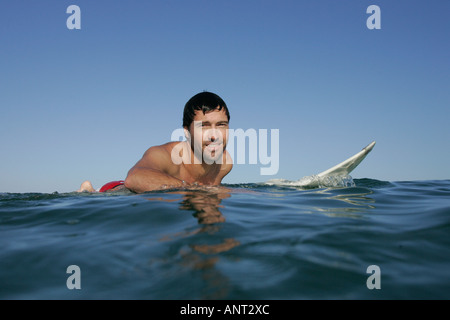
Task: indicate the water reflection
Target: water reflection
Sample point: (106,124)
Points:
(205,204)
(359,202)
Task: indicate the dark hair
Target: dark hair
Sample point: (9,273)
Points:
(204,101)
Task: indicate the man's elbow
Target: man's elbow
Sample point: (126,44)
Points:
(134,181)
(130,181)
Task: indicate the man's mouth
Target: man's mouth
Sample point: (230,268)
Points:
(214,146)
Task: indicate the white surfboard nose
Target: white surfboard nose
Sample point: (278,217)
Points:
(347,166)
(369,147)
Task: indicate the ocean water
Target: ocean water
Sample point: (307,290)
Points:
(243,241)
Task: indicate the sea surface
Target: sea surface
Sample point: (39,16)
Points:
(360,239)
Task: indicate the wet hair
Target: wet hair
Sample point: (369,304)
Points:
(204,101)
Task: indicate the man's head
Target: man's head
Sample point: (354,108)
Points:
(205,121)
(205,102)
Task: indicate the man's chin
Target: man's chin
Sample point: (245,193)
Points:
(211,157)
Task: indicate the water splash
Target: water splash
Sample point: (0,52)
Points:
(315,181)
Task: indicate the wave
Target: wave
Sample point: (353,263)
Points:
(314,181)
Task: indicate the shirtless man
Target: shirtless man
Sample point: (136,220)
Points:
(200,160)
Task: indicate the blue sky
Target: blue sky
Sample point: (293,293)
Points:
(86,104)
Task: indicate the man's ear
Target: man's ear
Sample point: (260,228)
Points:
(187,134)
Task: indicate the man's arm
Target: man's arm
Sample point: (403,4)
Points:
(150,173)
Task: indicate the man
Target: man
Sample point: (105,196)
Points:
(200,160)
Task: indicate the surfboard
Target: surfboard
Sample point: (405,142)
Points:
(347,166)
(342,169)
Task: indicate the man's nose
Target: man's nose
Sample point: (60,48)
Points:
(213,135)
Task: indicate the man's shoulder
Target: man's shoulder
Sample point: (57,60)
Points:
(159,157)
(161,150)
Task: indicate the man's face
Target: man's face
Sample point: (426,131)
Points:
(209,134)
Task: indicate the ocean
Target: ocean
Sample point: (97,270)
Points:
(366,239)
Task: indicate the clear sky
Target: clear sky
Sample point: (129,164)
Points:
(86,104)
